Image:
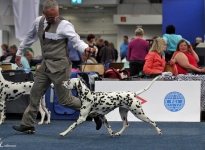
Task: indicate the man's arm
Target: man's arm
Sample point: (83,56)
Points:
(69,32)
(31,37)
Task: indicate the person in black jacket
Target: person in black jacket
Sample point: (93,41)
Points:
(115,51)
(5,54)
(13,50)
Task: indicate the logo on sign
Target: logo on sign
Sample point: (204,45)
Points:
(174,101)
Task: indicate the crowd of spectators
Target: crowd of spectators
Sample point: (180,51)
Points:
(138,55)
(9,55)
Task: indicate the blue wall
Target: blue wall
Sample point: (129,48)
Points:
(186,15)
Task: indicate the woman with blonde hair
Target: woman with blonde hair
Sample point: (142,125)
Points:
(25,60)
(155,61)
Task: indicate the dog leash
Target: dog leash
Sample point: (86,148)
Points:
(86,61)
(85,65)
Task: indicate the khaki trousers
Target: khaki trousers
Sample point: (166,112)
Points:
(42,82)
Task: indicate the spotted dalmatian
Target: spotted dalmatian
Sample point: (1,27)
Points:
(10,91)
(101,103)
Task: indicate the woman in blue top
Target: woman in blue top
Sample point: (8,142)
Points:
(172,40)
(25,60)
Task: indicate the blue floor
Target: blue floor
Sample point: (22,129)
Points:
(138,136)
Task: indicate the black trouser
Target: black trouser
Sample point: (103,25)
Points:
(136,66)
(168,56)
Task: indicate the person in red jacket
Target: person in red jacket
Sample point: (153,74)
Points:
(155,61)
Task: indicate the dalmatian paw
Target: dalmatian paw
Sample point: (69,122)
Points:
(160,133)
(40,123)
(2,120)
(63,134)
(47,122)
(111,132)
(117,134)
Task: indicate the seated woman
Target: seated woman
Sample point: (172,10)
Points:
(5,57)
(13,50)
(25,60)
(155,61)
(185,59)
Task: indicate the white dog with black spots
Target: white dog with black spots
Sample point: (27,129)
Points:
(10,91)
(101,103)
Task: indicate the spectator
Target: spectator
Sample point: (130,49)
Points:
(5,57)
(185,59)
(172,40)
(75,55)
(25,60)
(137,50)
(5,47)
(107,55)
(100,44)
(91,40)
(87,59)
(198,40)
(155,61)
(115,51)
(124,47)
(33,62)
(13,50)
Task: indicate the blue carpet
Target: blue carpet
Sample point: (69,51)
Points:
(138,136)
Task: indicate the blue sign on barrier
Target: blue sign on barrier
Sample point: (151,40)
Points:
(174,101)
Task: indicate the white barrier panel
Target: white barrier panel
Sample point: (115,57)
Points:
(164,101)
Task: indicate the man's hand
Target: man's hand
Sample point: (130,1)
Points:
(18,61)
(89,50)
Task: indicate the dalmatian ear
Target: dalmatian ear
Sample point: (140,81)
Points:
(79,84)
(83,81)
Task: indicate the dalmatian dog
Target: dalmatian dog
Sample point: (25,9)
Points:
(101,103)
(10,91)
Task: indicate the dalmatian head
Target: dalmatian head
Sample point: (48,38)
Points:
(74,83)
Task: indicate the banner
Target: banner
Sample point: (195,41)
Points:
(25,13)
(177,101)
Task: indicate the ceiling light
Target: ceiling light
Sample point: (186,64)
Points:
(65,8)
(76,7)
(96,6)
(101,7)
(60,6)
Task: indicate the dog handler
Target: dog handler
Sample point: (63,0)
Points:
(53,33)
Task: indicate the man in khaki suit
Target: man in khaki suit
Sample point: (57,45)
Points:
(53,33)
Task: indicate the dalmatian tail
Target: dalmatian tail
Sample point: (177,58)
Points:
(145,89)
